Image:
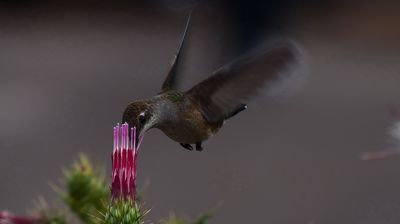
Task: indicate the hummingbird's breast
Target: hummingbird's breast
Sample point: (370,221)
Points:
(188,125)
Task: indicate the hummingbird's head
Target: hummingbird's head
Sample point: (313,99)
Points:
(140,115)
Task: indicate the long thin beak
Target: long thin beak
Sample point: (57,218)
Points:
(136,135)
(139,139)
(137,142)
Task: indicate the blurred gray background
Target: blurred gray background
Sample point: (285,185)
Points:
(67,70)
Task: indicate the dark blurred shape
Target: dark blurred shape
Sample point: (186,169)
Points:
(255,20)
(394,135)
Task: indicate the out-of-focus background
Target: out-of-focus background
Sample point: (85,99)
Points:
(68,69)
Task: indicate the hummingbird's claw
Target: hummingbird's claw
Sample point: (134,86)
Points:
(199,147)
(187,146)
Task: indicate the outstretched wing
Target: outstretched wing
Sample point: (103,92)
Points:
(171,81)
(230,87)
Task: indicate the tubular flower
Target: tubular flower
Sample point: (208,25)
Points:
(124,158)
(9,218)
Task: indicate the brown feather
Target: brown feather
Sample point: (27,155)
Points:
(171,81)
(233,85)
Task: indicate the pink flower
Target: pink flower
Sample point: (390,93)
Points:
(124,158)
(9,218)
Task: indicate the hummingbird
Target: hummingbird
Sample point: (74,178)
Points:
(193,116)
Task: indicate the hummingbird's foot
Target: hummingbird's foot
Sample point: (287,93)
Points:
(187,146)
(199,147)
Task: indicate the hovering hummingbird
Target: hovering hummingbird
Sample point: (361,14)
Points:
(193,116)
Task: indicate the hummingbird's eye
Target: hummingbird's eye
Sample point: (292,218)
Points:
(142,119)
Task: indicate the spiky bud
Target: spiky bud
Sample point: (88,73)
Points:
(86,191)
(124,212)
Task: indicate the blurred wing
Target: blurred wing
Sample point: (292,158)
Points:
(171,82)
(230,87)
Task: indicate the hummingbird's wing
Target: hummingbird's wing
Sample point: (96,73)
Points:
(171,81)
(230,87)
